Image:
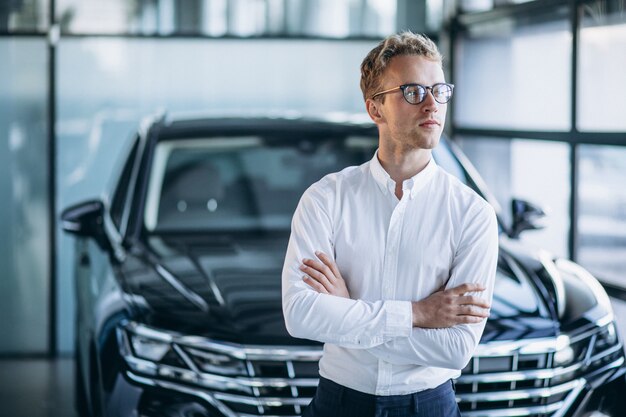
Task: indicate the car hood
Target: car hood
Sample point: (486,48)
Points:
(229,288)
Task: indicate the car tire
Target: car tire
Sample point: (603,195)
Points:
(94,384)
(80,393)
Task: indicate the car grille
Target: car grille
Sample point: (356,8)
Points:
(539,378)
(534,380)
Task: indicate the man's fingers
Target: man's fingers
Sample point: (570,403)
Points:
(469,310)
(315,284)
(473,300)
(319,267)
(317,275)
(466,287)
(329,263)
(469,319)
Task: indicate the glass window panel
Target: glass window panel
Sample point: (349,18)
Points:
(110,77)
(112,16)
(323,18)
(434,15)
(532,170)
(24,15)
(24,212)
(514,75)
(602,212)
(471,6)
(601,63)
(106,86)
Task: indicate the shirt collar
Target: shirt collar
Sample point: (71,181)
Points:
(414,184)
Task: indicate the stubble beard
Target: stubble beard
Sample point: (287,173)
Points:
(415,139)
(423,140)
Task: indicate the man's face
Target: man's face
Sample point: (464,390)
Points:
(411,126)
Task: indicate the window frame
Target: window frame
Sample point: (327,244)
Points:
(535,11)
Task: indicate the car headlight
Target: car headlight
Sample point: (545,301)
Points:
(150,349)
(157,352)
(606,338)
(586,352)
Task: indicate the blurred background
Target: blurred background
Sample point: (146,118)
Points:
(538,109)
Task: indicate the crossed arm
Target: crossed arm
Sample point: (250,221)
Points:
(444,308)
(441,334)
(441,330)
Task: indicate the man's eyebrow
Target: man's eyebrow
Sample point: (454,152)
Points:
(424,84)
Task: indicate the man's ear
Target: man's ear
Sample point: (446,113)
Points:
(374,111)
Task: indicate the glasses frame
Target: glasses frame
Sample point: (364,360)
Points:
(403,88)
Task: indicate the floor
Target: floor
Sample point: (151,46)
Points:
(37,388)
(45,388)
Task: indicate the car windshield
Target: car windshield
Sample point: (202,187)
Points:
(248,183)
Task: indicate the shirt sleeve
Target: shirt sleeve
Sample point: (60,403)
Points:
(326,318)
(475,261)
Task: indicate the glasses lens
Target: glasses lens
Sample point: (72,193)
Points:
(414,94)
(442,93)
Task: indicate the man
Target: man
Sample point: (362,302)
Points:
(392,263)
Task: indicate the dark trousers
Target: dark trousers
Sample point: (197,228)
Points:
(334,400)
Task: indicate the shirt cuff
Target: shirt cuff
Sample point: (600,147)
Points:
(399,318)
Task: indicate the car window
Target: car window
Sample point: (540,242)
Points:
(119,196)
(241,183)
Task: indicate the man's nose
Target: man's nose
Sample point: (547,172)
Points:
(429,105)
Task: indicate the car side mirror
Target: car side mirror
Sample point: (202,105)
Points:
(86,219)
(526,216)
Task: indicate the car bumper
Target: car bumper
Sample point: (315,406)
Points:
(602,395)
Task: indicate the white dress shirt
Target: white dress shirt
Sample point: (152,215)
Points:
(390,252)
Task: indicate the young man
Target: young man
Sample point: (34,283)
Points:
(392,263)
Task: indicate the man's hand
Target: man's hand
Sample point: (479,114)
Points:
(448,308)
(324,276)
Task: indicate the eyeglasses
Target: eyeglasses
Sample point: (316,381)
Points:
(416,93)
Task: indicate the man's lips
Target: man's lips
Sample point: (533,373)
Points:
(430,122)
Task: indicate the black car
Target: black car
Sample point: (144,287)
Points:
(178,277)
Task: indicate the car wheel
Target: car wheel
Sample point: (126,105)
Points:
(80,393)
(94,384)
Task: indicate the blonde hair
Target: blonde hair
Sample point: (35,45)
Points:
(376,61)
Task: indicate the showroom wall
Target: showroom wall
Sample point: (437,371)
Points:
(24,217)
